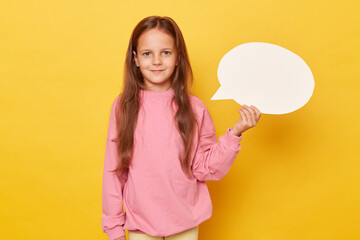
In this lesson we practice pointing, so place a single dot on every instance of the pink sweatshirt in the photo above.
(158, 198)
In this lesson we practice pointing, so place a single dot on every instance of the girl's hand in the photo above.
(249, 118)
(121, 238)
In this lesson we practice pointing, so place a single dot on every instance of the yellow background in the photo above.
(61, 65)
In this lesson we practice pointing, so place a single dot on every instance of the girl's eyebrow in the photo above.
(142, 50)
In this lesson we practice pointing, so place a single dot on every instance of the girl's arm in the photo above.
(113, 216)
(213, 159)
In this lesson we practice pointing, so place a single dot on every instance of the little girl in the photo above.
(161, 144)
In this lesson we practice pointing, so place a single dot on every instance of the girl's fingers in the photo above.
(257, 112)
(243, 115)
(248, 114)
(251, 115)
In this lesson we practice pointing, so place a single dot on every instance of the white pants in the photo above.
(191, 234)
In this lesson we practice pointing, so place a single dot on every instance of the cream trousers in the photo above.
(191, 234)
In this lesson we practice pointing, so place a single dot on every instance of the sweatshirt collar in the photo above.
(157, 94)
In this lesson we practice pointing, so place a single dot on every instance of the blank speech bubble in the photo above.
(270, 77)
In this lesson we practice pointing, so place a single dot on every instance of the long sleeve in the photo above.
(213, 159)
(113, 216)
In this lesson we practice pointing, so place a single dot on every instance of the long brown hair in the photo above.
(129, 103)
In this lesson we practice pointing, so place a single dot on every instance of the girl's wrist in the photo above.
(235, 132)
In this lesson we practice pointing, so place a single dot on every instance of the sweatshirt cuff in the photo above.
(231, 140)
(115, 232)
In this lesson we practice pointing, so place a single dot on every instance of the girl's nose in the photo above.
(157, 59)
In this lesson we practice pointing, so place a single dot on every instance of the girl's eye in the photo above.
(148, 53)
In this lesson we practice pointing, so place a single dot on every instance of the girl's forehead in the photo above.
(155, 39)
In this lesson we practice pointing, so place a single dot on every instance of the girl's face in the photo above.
(156, 57)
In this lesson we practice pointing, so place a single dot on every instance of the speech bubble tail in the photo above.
(220, 94)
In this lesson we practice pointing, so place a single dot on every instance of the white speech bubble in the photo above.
(270, 77)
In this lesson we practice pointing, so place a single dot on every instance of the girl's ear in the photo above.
(136, 59)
